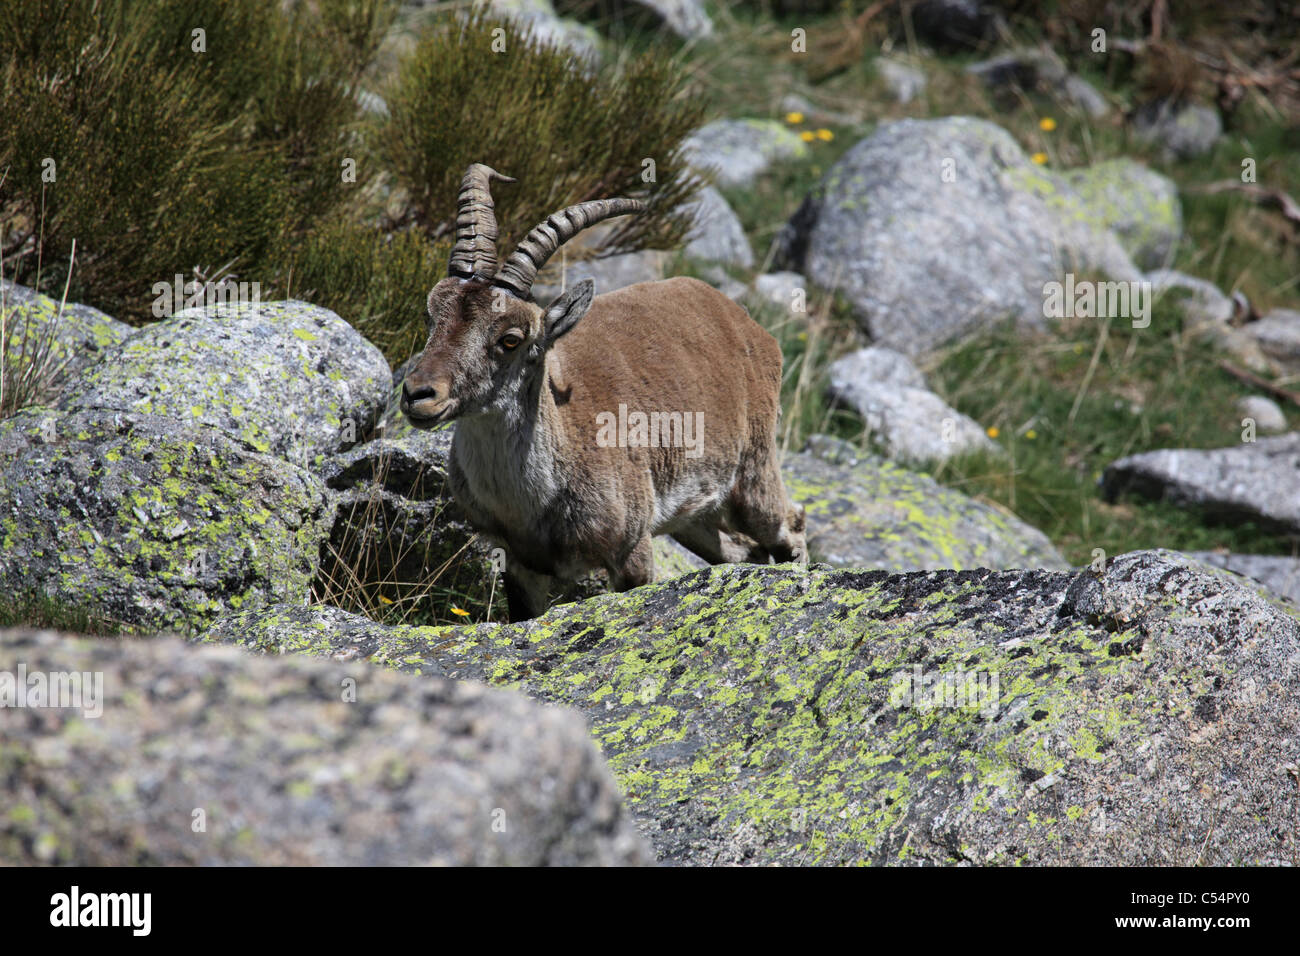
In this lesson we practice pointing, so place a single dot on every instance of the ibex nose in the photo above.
(426, 402)
(419, 393)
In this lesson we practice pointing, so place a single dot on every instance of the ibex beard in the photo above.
(526, 386)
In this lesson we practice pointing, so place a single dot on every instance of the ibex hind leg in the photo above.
(762, 510)
(527, 592)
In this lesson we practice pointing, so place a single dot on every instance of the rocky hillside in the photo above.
(1038, 402)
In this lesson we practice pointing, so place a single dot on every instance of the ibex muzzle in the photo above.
(537, 462)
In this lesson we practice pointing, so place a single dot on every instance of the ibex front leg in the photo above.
(527, 592)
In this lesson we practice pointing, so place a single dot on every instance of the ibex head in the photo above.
(487, 338)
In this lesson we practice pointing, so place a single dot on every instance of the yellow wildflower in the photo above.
(1047, 124)
(794, 118)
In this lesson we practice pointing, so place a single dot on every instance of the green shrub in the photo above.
(529, 113)
(165, 156)
(377, 282)
(168, 160)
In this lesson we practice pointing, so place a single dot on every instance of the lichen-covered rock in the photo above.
(151, 522)
(1144, 715)
(935, 228)
(717, 235)
(899, 413)
(1136, 203)
(1279, 574)
(736, 152)
(864, 512)
(205, 756)
(67, 339)
(289, 378)
(1257, 480)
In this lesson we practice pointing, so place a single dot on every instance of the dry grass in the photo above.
(30, 363)
(377, 568)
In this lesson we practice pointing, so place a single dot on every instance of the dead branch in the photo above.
(1250, 378)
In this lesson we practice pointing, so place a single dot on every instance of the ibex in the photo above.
(530, 387)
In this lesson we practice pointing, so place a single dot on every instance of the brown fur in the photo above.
(527, 468)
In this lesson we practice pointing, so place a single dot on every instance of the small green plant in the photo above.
(40, 610)
(31, 358)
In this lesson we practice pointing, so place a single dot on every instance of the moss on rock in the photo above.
(289, 378)
(768, 715)
(869, 513)
(151, 522)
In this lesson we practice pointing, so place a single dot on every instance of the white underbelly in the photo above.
(690, 495)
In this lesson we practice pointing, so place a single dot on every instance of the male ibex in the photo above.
(531, 463)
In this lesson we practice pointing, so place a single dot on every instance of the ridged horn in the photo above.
(475, 252)
(520, 271)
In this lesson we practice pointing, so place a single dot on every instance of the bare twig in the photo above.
(1250, 378)
(1274, 198)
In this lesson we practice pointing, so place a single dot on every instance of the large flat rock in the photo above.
(1257, 480)
(1144, 715)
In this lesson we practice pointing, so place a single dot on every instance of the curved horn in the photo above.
(475, 252)
(520, 271)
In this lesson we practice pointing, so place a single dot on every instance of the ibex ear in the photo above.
(563, 314)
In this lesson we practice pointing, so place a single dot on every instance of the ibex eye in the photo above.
(510, 341)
